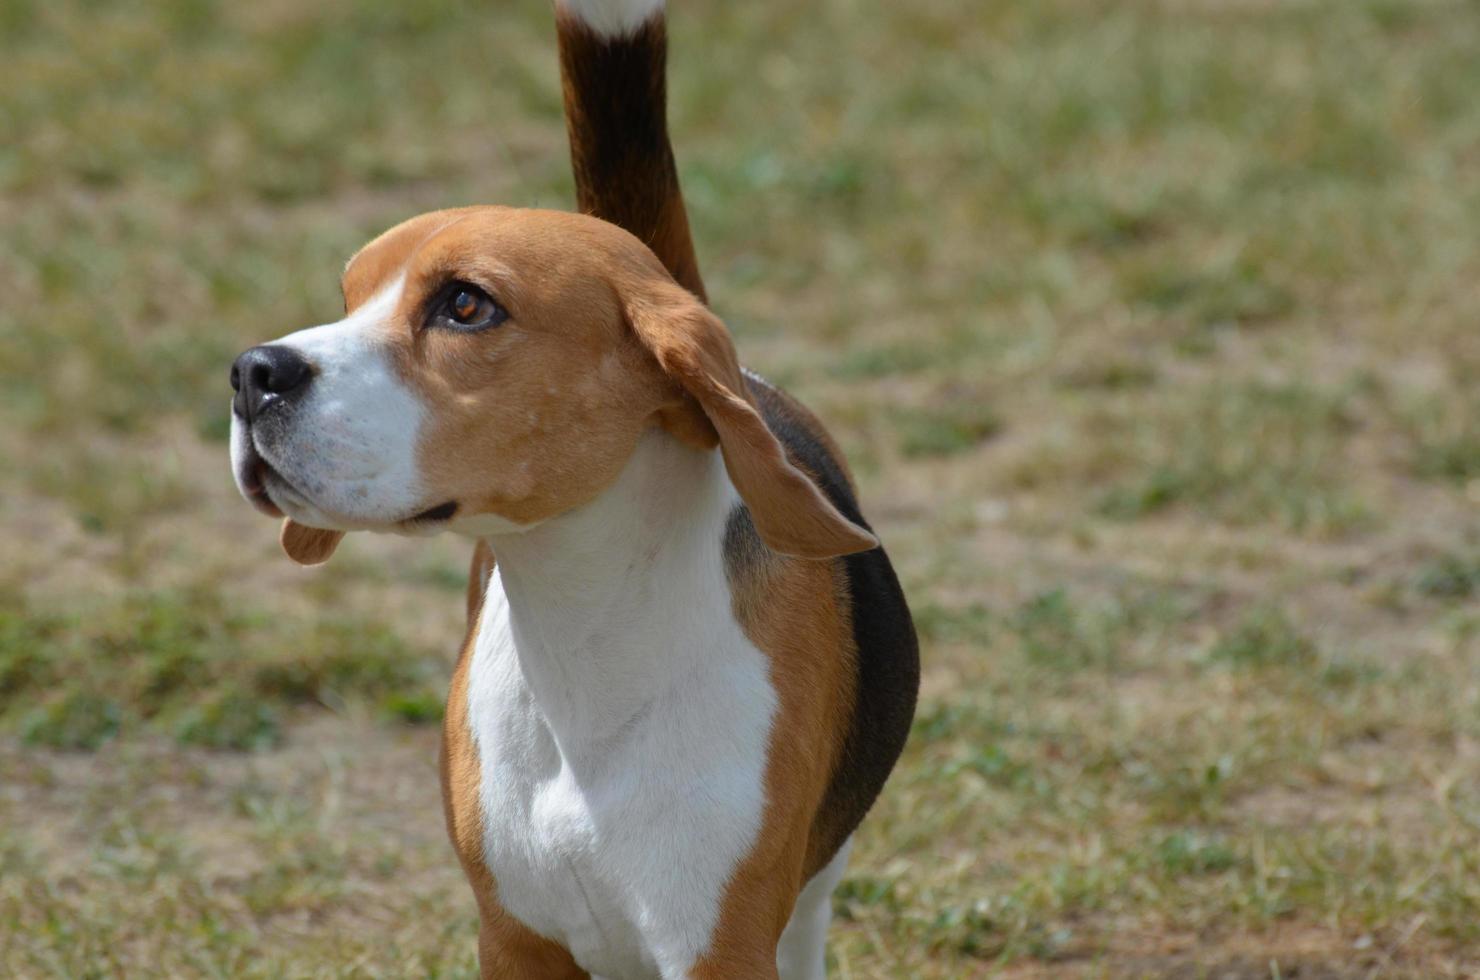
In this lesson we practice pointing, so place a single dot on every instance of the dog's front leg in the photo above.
(756, 965)
(507, 950)
(745, 939)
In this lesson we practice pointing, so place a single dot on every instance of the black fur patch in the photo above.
(746, 555)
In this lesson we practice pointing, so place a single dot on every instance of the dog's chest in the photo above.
(617, 805)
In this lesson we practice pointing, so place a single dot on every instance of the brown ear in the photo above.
(694, 349)
(308, 545)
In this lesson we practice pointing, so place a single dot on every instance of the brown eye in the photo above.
(466, 307)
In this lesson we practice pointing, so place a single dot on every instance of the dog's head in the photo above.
(495, 367)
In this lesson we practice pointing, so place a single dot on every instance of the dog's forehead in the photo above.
(553, 244)
(384, 258)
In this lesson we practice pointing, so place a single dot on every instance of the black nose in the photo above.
(264, 375)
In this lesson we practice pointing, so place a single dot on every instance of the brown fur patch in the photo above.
(796, 611)
(616, 116)
(380, 260)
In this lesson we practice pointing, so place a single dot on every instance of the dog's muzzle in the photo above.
(266, 380)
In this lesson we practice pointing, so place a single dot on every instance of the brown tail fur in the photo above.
(617, 118)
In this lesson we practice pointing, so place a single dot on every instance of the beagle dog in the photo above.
(689, 667)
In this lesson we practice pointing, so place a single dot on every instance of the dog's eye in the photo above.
(466, 306)
(469, 308)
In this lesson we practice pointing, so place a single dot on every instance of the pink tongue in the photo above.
(308, 545)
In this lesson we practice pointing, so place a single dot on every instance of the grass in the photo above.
(196, 666)
(1148, 326)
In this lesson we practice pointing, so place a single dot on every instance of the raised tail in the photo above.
(613, 58)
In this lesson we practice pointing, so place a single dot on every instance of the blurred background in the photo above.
(1151, 331)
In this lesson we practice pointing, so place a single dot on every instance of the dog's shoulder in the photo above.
(880, 634)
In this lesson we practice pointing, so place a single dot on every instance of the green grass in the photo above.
(196, 666)
(957, 427)
(1451, 577)
(1149, 328)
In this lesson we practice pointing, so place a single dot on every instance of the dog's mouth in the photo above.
(264, 485)
(434, 515)
(267, 489)
(259, 481)
(253, 473)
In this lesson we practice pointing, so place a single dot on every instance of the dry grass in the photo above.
(1150, 326)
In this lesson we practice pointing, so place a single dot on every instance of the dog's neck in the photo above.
(613, 604)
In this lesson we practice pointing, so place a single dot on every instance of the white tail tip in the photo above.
(612, 18)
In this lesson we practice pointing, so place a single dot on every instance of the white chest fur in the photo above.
(621, 718)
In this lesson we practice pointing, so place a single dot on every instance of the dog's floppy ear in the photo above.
(308, 545)
(693, 348)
